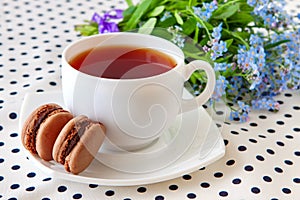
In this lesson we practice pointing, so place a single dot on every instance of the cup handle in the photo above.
(191, 104)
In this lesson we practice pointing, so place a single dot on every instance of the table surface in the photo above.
(262, 159)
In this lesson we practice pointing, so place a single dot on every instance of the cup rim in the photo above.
(178, 58)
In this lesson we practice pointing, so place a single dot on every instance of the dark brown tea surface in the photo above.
(122, 62)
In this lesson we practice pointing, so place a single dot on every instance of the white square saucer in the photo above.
(192, 142)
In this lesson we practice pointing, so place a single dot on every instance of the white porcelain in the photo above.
(134, 111)
(180, 150)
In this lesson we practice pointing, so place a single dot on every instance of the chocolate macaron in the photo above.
(78, 143)
(42, 127)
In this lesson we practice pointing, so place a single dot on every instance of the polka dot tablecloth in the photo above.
(262, 159)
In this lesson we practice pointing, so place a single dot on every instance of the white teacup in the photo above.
(134, 111)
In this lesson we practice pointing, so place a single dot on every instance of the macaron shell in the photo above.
(61, 141)
(28, 135)
(48, 132)
(83, 153)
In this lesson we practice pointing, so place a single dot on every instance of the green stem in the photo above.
(129, 3)
(201, 22)
(226, 24)
(237, 37)
(196, 36)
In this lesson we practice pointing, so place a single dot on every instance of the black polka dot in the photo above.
(77, 196)
(262, 117)
(93, 185)
(14, 186)
(279, 143)
(30, 189)
(230, 162)
(236, 181)
(226, 142)
(296, 129)
(260, 158)
(288, 95)
(159, 197)
(297, 153)
(223, 194)
(187, 177)
(255, 190)
(262, 136)
(219, 112)
(280, 122)
(286, 190)
(296, 180)
(47, 179)
(191, 195)
(271, 130)
(267, 178)
(173, 187)
(205, 185)
(289, 136)
(142, 189)
(242, 148)
(278, 169)
(31, 175)
(13, 115)
(252, 140)
(248, 168)
(288, 162)
(13, 135)
(52, 83)
(296, 107)
(253, 124)
(270, 151)
(16, 150)
(288, 115)
(234, 132)
(218, 174)
(15, 167)
(109, 193)
(62, 188)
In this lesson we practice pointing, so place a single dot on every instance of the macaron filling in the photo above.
(74, 137)
(43, 114)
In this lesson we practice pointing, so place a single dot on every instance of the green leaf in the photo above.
(224, 59)
(271, 45)
(192, 3)
(129, 2)
(225, 11)
(156, 11)
(128, 12)
(240, 18)
(163, 33)
(178, 18)
(188, 27)
(136, 16)
(148, 27)
(228, 42)
(87, 29)
(167, 22)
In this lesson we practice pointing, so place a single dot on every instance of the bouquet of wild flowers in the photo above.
(254, 45)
